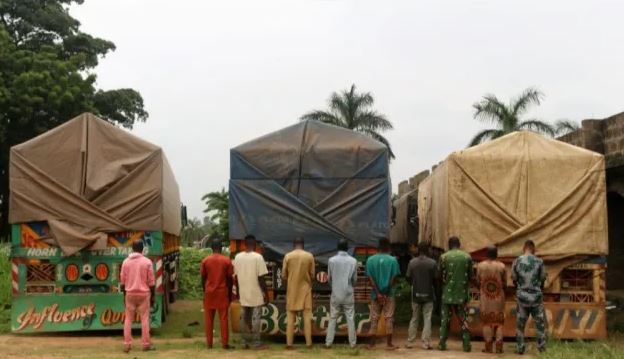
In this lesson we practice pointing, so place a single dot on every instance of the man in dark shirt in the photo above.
(422, 272)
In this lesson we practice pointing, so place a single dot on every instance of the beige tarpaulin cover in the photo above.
(87, 177)
(521, 186)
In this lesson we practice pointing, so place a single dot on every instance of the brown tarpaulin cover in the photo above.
(87, 177)
(521, 186)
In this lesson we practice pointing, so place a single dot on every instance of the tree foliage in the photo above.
(217, 204)
(353, 110)
(563, 127)
(507, 117)
(46, 76)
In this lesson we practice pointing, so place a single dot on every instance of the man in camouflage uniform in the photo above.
(455, 269)
(529, 275)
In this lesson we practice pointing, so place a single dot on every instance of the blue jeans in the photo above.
(334, 312)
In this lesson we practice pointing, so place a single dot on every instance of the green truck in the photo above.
(80, 195)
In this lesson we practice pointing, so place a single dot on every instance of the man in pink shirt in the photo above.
(137, 284)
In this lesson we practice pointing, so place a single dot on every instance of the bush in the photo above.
(5, 288)
(190, 280)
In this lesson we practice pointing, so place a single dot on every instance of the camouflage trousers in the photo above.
(459, 310)
(539, 317)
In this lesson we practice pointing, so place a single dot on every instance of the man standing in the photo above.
(382, 270)
(455, 269)
(298, 271)
(137, 285)
(216, 275)
(342, 275)
(250, 271)
(528, 274)
(491, 278)
(422, 272)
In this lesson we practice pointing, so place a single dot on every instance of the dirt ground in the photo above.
(178, 339)
(90, 346)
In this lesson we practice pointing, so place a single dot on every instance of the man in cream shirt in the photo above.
(250, 271)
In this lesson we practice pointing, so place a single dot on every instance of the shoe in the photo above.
(246, 346)
(309, 347)
(126, 349)
(327, 346)
(499, 346)
(488, 347)
(467, 349)
(442, 347)
(149, 348)
(228, 347)
(289, 347)
(408, 346)
(427, 346)
(391, 347)
(541, 350)
(520, 352)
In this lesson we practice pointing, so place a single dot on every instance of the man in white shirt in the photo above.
(250, 271)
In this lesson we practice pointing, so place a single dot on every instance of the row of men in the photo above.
(454, 271)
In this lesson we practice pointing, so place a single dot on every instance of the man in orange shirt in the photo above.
(216, 273)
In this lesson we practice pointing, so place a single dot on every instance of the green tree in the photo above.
(507, 117)
(46, 77)
(563, 127)
(217, 204)
(192, 232)
(353, 110)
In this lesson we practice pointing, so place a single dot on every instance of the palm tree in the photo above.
(506, 117)
(352, 110)
(217, 204)
(563, 127)
(192, 232)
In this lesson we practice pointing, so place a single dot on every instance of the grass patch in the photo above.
(613, 348)
(5, 288)
(185, 320)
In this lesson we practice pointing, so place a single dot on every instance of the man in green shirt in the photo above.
(455, 268)
(382, 270)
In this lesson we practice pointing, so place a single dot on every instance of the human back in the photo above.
(342, 269)
(217, 270)
(248, 267)
(137, 273)
(529, 274)
(455, 269)
(421, 270)
(383, 268)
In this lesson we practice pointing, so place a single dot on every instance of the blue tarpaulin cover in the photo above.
(314, 180)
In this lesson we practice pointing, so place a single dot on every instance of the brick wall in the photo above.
(603, 136)
(607, 137)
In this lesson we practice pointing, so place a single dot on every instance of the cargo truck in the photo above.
(524, 186)
(320, 182)
(80, 194)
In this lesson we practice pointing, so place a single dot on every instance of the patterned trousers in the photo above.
(250, 325)
(539, 317)
(387, 309)
(459, 310)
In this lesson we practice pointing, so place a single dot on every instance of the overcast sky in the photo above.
(216, 74)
